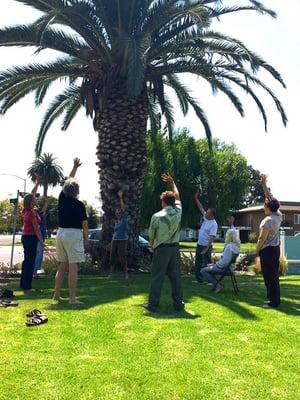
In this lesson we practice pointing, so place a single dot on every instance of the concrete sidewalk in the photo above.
(5, 253)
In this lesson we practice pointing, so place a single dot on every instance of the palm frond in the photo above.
(56, 108)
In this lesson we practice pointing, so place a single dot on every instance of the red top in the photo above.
(27, 216)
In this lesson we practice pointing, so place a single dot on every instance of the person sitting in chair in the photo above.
(231, 249)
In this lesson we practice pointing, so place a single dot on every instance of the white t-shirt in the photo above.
(208, 228)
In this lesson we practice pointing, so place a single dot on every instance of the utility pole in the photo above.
(16, 203)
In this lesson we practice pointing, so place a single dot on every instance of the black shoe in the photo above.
(179, 307)
(149, 308)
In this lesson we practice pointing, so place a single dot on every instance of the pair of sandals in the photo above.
(36, 317)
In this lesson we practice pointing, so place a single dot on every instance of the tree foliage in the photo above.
(142, 46)
(256, 193)
(221, 175)
(7, 216)
(93, 216)
(46, 166)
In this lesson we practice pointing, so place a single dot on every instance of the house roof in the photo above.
(284, 206)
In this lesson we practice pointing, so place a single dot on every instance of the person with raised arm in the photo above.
(31, 235)
(164, 240)
(118, 246)
(72, 235)
(206, 236)
(40, 248)
(268, 246)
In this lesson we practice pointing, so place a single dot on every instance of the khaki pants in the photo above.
(118, 254)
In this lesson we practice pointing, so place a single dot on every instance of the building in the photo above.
(248, 219)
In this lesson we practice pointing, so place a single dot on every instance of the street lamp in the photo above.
(17, 176)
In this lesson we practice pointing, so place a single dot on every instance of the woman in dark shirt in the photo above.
(72, 235)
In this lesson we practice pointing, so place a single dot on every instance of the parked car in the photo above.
(95, 235)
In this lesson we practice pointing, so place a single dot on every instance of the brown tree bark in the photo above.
(122, 155)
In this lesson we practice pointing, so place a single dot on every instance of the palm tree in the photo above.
(47, 167)
(117, 59)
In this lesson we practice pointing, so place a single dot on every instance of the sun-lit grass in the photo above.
(218, 247)
(224, 347)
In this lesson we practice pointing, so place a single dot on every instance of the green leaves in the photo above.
(46, 165)
(137, 46)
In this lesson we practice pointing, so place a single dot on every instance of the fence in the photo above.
(290, 247)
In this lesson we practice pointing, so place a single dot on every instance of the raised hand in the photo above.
(196, 196)
(38, 179)
(77, 162)
(166, 177)
(263, 179)
(120, 193)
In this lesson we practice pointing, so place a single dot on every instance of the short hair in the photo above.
(27, 201)
(232, 236)
(168, 197)
(213, 211)
(272, 203)
(71, 188)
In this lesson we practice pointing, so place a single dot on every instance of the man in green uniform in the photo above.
(164, 239)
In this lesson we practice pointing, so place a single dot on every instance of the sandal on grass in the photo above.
(8, 303)
(37, 320)
(34, 313)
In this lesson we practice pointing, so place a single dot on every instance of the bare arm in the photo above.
(263, 182)
(85, 232)
(37, 231)
(263, 235)
(38, 182)
(210, 242)
(168, 179)
(199, 204)
(45, 206)
(76, 165)
(122, 204)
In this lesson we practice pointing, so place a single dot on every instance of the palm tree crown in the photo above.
(143, 46)
(47, 167)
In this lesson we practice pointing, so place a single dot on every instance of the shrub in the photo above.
(50, 266)
(9, 272)
(252, 237)
(188, 262)
(283, 266)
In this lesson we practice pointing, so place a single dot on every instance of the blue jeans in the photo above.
(39, 257)
(207, 273)
(29, 244)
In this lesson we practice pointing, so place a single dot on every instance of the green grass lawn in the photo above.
(225, 347)
(218, 247)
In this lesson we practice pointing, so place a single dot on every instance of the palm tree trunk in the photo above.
(122, 155)
(45, 193)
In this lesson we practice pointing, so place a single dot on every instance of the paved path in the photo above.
(7, 239)
(5, 252)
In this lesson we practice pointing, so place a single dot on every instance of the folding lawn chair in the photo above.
(229, 271)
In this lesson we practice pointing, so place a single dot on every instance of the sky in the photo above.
(275, 153)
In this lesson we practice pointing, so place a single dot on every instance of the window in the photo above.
(297, 219)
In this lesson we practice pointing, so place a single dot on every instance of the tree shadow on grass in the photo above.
(174, 315)
(252, 292)
(98, 290)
